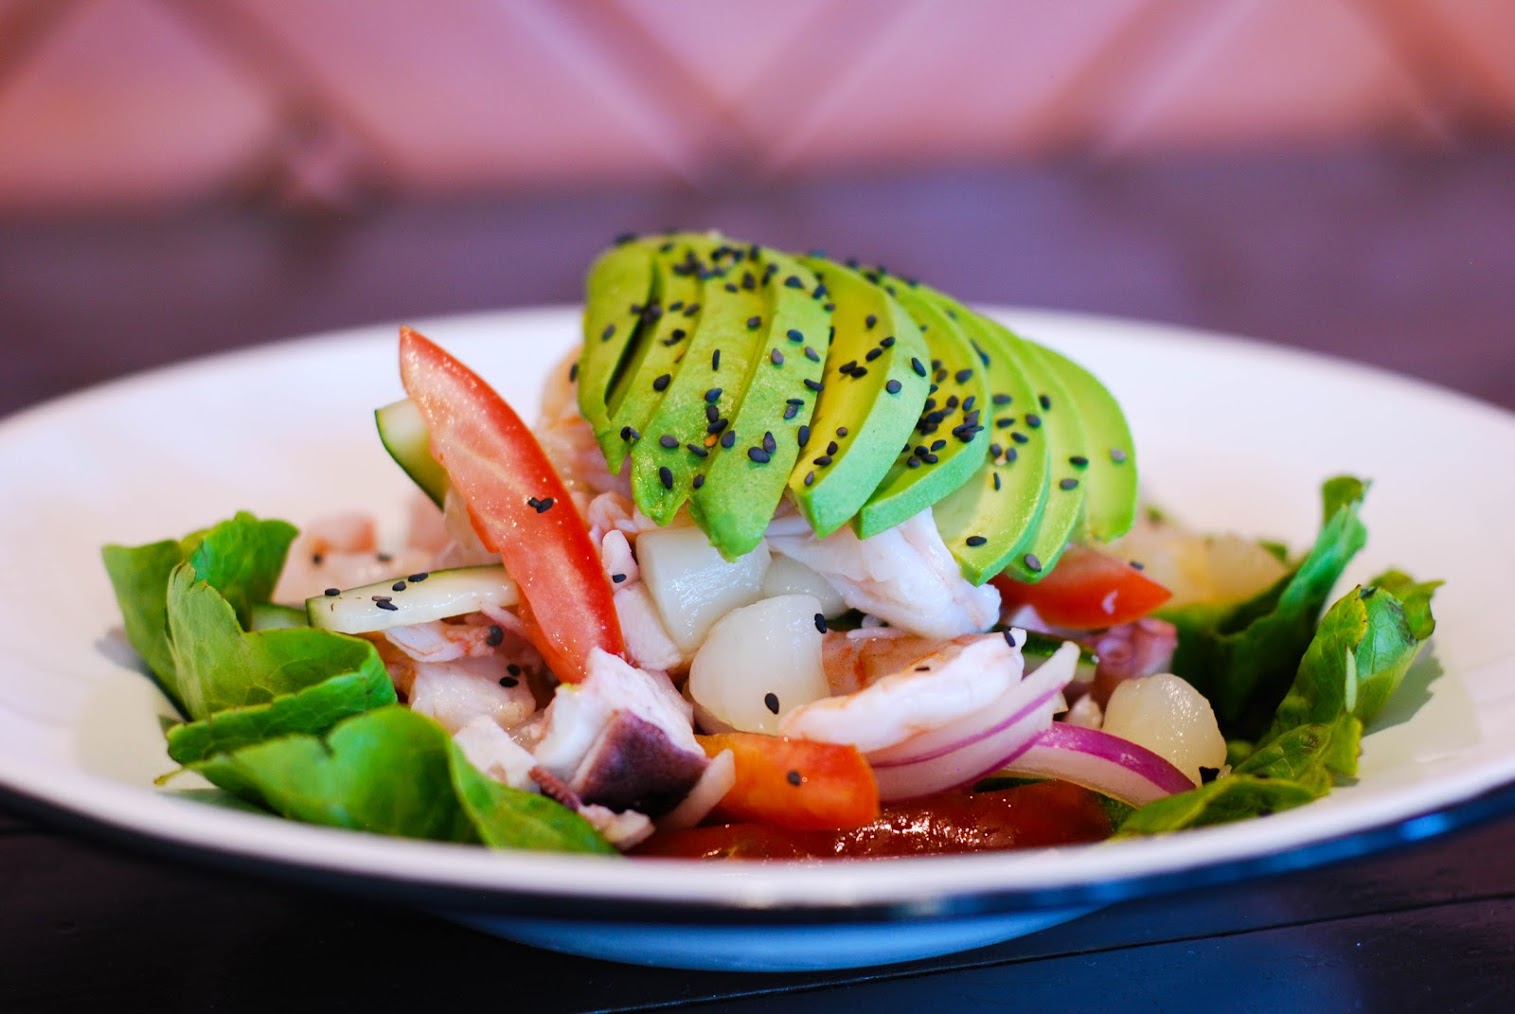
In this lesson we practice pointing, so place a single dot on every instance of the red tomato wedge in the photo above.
(518, 505)
(795, 783)
(1087, 590)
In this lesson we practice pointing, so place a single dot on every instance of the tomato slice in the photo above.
(795, 783)
(518, 504)
(1037, 815)
(1087, 590)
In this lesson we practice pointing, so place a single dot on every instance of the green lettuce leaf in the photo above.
(1243, 659)
(392, 771)
(1357, 658)
(241, 558)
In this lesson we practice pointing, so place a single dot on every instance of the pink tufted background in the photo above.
(111, 103)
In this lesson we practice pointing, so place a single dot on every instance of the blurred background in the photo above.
(184, 176)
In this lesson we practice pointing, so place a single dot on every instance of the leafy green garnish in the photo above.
(392, 771)
(1358, 656)
(1243, 659)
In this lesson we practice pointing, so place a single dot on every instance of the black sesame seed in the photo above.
(975, 540)
(870, 320)
(661, 383)
(717, 426)
(776, 357)
(918, 366)
(793, 282)
(728, 438)
(841, 431)
(820, 623)
(628, 434)
(771, 702)
(1001, 399)
(668, 440)
(712, 412)
(697, 450)
(802, 435)
(823, 460)
(795, 778)
(1067, 484)
(573, 371)
(699, 480)
(769, 444)
(893, 386)
(790, 411)
(1033, 563)
(316, 558)
(715, 359)
(1020, 437)
(887, 342)
(859, 372)
(753, 323)
(713, 395)
(608, 333)
(1117, 455)
(995, 477)
(812, 355)
(388, 605)
(873, 354)
(912, 462)
(397, 586)
(758, 455)
(617, 578)
(814, 385)
(1078, 461)
(831, 448)
(509, 681)
(332, 592)
(545, 504)
(963, 376)
(1045, 402)
(1009, 636)
(795, 335)
(810, 478)
(495, 637)
(665, 476)
(1033, 420)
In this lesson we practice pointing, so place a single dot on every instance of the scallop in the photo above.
(1169, 717)
(760, 662)
(692, 584)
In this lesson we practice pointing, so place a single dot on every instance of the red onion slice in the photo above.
(979, 744)
(1108, 764)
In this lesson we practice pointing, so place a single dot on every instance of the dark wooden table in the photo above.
(1402, 259)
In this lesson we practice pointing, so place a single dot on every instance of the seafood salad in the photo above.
(802, 559)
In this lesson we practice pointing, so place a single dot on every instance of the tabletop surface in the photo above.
(1398, 259)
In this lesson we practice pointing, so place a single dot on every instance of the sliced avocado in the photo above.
(1054, 413)
(1110, 472)
(404, 435)
(649, 365)
(618, 292)
(988, 520)
(867, 408)
(695, 411)
(949, 443)
(772, 410)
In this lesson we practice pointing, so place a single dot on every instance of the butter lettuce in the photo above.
(299, 721)
(1359, 654)
(391, 771)
(1243, 658)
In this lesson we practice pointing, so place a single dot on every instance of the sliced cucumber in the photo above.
(419, 598)
(404, 434)
(1040, 647)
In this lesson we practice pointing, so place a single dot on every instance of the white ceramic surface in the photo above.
(1231, 435)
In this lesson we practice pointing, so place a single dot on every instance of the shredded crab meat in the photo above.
(905, 576)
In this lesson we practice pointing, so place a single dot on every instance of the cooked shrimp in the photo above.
(928, 692)
(340, 551)
(457, 692)
(905, 575)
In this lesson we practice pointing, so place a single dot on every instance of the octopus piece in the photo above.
(1143, 647)
(622, 737)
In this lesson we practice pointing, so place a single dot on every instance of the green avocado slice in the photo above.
(950, 442)
(638, 388)
(1110, 475)
(619, 288)
(695, 411)
(1055, 413)
(867, 408)
(987, 523)
(743, 484)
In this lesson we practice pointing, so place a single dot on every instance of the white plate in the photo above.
(1232, 435)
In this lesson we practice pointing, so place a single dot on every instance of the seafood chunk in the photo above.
(904, 575)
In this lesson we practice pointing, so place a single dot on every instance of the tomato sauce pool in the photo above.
(1035, 815)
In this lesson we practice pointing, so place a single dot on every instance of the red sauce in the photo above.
(1036, 815)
